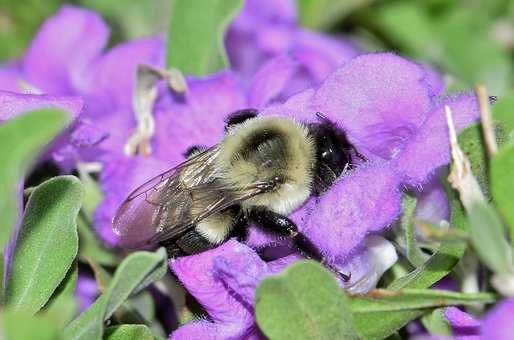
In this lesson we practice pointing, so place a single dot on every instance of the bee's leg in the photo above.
(240, 225)
(172, 249)
(193, 150)
(189, 244)
(283, 226)
(193, 243)
(240, 116)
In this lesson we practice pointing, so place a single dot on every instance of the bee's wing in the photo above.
(168, 205)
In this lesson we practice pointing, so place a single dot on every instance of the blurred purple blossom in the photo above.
(267, 29)
(73, 65)
(86, 291)
(495, 325)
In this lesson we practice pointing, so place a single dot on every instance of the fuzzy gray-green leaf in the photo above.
(47, 244)
(303, 302)
(22, 138)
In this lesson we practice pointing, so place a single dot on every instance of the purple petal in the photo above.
(261, 32)
(498, 324)
(379, 99)
(433, 205)
(55, 64)
(201, 330)
(197, 119)
(298, 107)
(280, 264)
(256, 12)
(203, 281)
(86, 291)
(10, 77)
(241, 272)
(430, 147)
(258, 238)
(119, 125)
(112, 76)
(270, 81)
(464, 326)
(12, 104)
(223, 280)
(320, 54)
(363, 202)
(119, 178)
(206, 330)
(434, 80)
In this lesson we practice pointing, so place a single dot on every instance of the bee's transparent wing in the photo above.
(141, 215)
(168, 205)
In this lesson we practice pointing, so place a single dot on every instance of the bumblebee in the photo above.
(263, 169)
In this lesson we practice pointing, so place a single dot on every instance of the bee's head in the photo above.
(333, 154)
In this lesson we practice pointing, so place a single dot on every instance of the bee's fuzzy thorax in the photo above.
(265, 147)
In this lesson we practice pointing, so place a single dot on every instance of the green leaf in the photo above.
(416, 35)
(488, 238)
(385, 301)
(47, 244)
(436, 323)
(136, 270)
(502, 184)
(195, 37)
(62, 305)
(414, 254)
(503, 115)
(128, 332)
(470, 52)
(140, 308)
(472, 143)
(127, 21)
(19, 21)
(444, 260)
(303, 302)
(325, 13)
(23, 325)
(93, 194)
(377, 318)
(90, 245)
(22, 139)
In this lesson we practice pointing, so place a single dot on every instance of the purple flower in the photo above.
(86, 291)
(267, 29)
(65, 58)
(224, 282)
(495, 325)
(388, 108)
